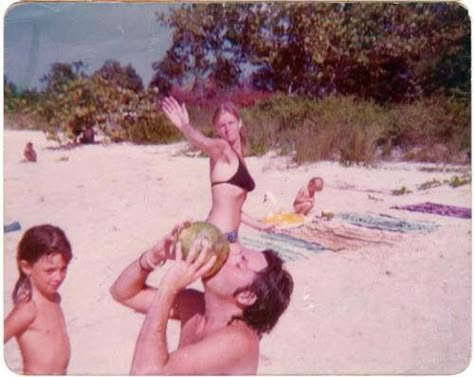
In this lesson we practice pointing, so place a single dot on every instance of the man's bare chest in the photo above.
(192, 331)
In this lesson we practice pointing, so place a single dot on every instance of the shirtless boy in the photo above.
(220, 327)
(304, 201)
(29, 152)
(37, 320)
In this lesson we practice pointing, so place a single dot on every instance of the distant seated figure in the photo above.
(304, 200)
(87, 136)
(29, 153)
(76, 130)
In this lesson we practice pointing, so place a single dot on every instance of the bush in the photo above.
(341, 128)
(421, 127)
(359, 132)
(21, 121)
(332, 128)
(153, 130)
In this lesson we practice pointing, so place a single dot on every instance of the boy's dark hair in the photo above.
(38, 241)
(316, 179)
(273, 287)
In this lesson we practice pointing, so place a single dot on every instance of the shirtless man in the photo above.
(304, 201)
(220, 327)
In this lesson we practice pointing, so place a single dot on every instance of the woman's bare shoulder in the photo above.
(219, 149)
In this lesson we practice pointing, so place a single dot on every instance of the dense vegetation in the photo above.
(353, 82)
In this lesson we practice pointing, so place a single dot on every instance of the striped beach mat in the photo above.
(438, 209)
(289, 247)
(386, 222)
(345, 231)
(338, 235)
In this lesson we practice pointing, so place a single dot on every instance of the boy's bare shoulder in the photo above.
(303, 190)
(20, 318)
(24, 312)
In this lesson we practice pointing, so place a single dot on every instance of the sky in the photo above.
(39, 34)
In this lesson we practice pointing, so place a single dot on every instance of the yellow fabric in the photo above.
(289, 218)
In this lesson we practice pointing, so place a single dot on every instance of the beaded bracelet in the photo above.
(149, 269)
(149, 262)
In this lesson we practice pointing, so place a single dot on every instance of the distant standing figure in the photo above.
(87, 136)
(304, 201)
(37, 320)
(29, 153)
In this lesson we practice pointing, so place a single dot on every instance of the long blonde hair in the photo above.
(229, 107)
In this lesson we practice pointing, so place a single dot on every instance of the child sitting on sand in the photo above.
(37, 320)
(304, 200)
(29, 153)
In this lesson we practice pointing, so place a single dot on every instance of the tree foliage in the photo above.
(112, 100)
(124, 77)
(205, 46)
(60, 74)
(387, 52)
(385, 75)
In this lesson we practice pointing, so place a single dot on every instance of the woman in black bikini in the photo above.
(230, 179)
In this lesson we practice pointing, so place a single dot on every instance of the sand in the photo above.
(403, 308)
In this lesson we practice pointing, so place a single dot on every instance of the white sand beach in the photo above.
(402, 308)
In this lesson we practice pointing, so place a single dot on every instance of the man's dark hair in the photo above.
(273, 287)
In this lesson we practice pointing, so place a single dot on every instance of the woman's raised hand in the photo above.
(176, 113)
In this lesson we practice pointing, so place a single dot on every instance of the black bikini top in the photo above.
(241, 179)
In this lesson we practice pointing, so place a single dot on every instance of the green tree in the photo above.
(205, 46)
(9, 95)
(125, 77)
(60, 74)
(449, 70)
(383, 51)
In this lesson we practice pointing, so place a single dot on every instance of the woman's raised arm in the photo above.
(178, 116)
